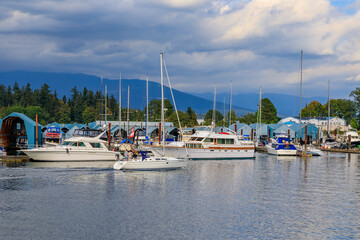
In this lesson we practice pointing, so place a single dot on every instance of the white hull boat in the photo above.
(73, 150)
(210, 145)
(151, 163)
(281, 147)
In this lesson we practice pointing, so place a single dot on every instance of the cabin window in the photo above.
(229, 141)
(220, 141)
(192, 139)
(199, 139)
(96, 145)
(81, 144)
(209, 140)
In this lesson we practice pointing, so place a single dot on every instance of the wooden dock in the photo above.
(14, 161)
(356, 151)
(261, 149)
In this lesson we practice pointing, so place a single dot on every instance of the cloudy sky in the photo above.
(251, 43)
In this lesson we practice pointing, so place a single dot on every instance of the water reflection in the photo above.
(265, 198)
(91, 164)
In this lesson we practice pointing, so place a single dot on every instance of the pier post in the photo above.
(36, 132)
(109, 134)
(159, 133)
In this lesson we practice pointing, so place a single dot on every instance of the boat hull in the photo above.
(150, 165)
(281, 152)
(209, 153)
(69, 156)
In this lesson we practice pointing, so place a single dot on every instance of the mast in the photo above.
(328, 120)
(128, 108)
(224, 114)
(301, 60)
(260, 114)
(105, 104)
(120, 107)
(101, 85)
(147, 104)
(230, 104)
(213, 117)
(162, 103)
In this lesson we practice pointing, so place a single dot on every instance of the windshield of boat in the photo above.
(67, 143)
(96, 145)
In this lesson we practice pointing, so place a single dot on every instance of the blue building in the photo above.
(18, 131)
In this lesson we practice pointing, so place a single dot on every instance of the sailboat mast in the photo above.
(224, 114)
(147, 104)
(230, 104)
(213, 117)
(301, 60)
(162, 103)
(101, 86)
(105, 104)
(328, 120)
(260, 108)
(128, 109)
(120, 107)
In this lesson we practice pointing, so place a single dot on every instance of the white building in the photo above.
(334, 122)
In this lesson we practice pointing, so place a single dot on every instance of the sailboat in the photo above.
(146, 162)
(305, 150)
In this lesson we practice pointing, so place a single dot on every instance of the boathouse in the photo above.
(18, 131)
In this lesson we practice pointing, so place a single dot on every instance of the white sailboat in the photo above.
(146, 162)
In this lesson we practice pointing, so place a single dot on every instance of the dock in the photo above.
(355, 151)
(261, 149)
(14, 161)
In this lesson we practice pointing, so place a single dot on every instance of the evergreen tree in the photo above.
(268, 112)
(208, 118)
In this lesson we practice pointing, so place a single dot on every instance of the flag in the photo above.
(132, 134)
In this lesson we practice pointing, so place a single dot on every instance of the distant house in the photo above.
(321, 122)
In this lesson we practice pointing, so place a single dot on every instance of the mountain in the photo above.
(64, 82)
(286, 105)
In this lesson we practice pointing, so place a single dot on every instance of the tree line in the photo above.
(87, 106)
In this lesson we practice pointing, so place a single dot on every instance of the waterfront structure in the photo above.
(320, 122)
(18, 131)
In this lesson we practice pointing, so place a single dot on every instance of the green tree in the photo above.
(248, 118)
(12, 109)
(208, 118)
(88, 114)
(63, 115)
(268, 112)
(354, 124)
(314, 109)
(31, 112)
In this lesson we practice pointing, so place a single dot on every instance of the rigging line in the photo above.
(177, 115)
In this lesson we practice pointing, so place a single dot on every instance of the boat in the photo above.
(52, 136)
(158, 161)
(354, 138)
(209, 145)
(148, 162)
(73, 149)
(281, 146)
(310, 149)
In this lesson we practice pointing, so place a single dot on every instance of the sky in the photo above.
(252, 44)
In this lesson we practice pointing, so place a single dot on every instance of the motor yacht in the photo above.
(73, 149)
(281, 146)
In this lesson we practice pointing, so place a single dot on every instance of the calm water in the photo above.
(267, 198)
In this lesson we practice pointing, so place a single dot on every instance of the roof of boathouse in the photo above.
(30, 126)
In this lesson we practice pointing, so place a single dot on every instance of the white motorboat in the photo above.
(281, 147)
(210, 145)
(73, 149)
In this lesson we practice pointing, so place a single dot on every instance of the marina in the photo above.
(270, 197)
